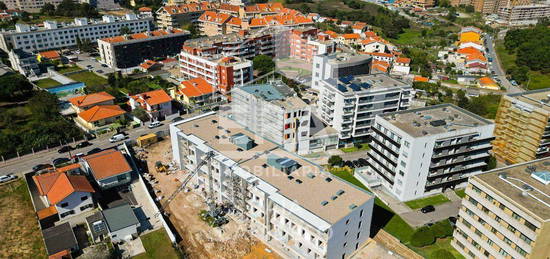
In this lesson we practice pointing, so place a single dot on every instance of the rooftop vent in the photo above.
(437, 123)
(328, 179)
(340, 192)
(352, 206)
(242, 141)
(219, 127)
(214, 121)
(547, 163)
(503, 175)
(264, 165)
(542, 176)
(324, 203)
(284, 164)
(311, 175)
(298, 181)
(196, 125)
(530, 169)
(334, 197)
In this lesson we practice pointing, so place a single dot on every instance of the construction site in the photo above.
(205, 232)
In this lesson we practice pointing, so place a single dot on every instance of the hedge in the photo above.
(423, 236)
(442, 229)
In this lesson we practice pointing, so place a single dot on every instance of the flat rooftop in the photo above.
(361, 83)
(346, 57)
(277, 93)
(512, 181)
(538, 98)
(313, 189)
(434, 119)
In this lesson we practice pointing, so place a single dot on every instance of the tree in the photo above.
(141, 114)
(43, 106)
(469, 9)
(335, 160)
(125, 30)
(25, 16)
(264, 64)
(442, 229)
(442, 254)
(48, 9)
(14, 87)
(423, 236)
(3, 6)
(491, 163)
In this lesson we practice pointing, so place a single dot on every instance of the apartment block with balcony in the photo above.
(326, 66)
(424, 151)
(522, 131)
(506, 213)
(349, 104)
(174, 16)
(290, 204)
(523, 14)
(305, 43)
(56, 35)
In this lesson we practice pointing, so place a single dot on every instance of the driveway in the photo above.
(85, 60)
(131, 248)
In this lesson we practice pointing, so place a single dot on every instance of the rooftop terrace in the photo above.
(537, 98)
(434, 119)
(277, 93)
(350, 84)
(313, 189)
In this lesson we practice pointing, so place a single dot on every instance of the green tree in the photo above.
(125, 30)
(25, 16)
(140, 113)
(264, 64)
(43, 106)
(14, 87)
(423, 236)
(491, 163)
(442, 254)
(335, 160)
(3, 6)
(442, 229)
(48, 9)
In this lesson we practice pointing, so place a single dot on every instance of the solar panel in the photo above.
(366, 85)
(342, 88)
(346, 79)
(98, 226)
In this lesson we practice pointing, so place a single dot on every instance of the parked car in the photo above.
(104, 65)
(177, 119)
(78, 155)
(99, 71)
(93, 151)
(83, 144)
(64, 149)
(428, 209)
(59, 161)
(41, 167)
(117, 137)
(154, 124)
(356, 163)
(452, 220)
(348, 164)
(7, 178)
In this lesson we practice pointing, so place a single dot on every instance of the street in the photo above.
(496, 67)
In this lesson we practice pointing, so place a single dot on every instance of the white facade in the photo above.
(295, 222)
(338, 65)
(74, 204)
(24, 63)
(351, 111)
(374, 46)
(56, 36)
(423, 151)
(524, 14)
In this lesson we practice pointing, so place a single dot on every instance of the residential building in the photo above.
(488, 83)
(149, 66)
(174, 16)
(56, 35)
(424, 151)
(196, 93)
(522, 131)
(157, 103)
(109, 168)
(261, 10)
(336, 65)
(401, 66)
(129, 51)
(379, 67)
(221, 71)
(290, 204)
(63, 194)
(24, 62)
(121, 222)
(350, 103)
(305, 43)
(493, 6)
(523, 14)
(506, 213)
(85, 102)
(280, 20)
(33, 6)
(48, 55)
(60, 241)
(99, 118)
(145, 11)
(213, 23)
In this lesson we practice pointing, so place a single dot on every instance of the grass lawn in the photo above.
(409, 37)
(63, 70)
(89, 78)
(506, 59)
(537, 80)
(47, 83)
(20, 236)
(460, 193)
(432, 200)
(354, 149)
(347, 174)
(442, 243)
(157, 245)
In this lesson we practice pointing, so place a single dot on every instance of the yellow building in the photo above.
(470, 36)
(522, 130)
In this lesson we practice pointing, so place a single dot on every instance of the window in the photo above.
(83, 198)
(525, 238)
(530, 226)
(64, 204)
(502, 252)
(516, 216)
(512, 229)
(521, 251)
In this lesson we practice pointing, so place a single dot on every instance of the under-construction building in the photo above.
(291, 204)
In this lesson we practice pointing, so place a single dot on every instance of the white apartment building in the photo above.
(24, 62)
(506, 213)
(290, 204)
(274, 111)
(424, 151)
(222, 72)
(336, 65)
(350, 103)
(30, 5)
(60, 35)
(523, 14)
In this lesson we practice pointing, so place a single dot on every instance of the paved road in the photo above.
(497, 68)
(25, 163)
(85, 60)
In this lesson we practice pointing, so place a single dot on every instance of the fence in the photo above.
(4, 158)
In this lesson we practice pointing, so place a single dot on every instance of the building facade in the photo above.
(349, 104)
(523, 14)
(174, 16)
(157, 103)
(24, 62)
(327, 218)
(129, 51)
(58, 35)
(522, 131)
(506, 213)
(327, 66)
(424, 151)
(305, 43)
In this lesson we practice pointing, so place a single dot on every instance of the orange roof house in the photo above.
(109, 168)
(86, 101)
(149, 65)
(421, 79)
(58, 186)
(379, 66)
(488, 83)
(145, 9)
(50, 55)
(402, 60)
(101, 112)
(152, 98)
(196, 87)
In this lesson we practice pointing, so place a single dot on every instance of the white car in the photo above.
(117, 137)
(154, 124)
(7, 178)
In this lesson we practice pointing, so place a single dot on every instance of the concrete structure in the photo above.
(338, 65)
(522, 131)
(350, 103)
(523, 14)
(121, 222)
(506, 213)
(109, 168)
(196, 93)
(174, 16)
(60, 35)
(157, 103)
(24, 62)
(305, 43)
(129, 51)
(424, 151)
(33, 6)
(493, 6)
(288, 203)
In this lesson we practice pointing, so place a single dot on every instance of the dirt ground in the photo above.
(20, 236)
(199, 239)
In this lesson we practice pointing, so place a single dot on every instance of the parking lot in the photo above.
(86, 61)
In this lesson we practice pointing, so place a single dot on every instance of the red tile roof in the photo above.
(107, 163)
(46, 212)
(148, 64)
(152, 97)
(187, 8)
(52, 54)
(403, 60)
(58, 186)
(145, 9)
(196, 87)
(421, 79)
(91, 99)
(213, 17)
(100, 112)
(229, 8)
